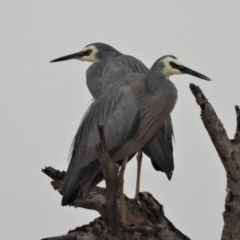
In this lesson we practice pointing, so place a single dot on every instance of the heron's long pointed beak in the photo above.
(68, 57)
(193, 73)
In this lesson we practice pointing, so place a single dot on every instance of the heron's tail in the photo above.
(87, 178)
(160, 149)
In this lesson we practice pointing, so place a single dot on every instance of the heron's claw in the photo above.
(135, 199)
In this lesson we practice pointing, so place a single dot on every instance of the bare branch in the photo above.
(229, 153)
(110, 170)
(213, 125)
(96, 196)
(147, 218)
(237, 134)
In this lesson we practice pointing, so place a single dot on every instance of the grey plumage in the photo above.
(104, 73)
(109, 66)
(160, 149)
(131, 110)
(129, 99)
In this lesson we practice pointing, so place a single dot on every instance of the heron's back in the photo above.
(102, 74)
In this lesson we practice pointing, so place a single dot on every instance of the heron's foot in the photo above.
(136, 200)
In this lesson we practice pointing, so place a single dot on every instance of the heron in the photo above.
(132, 110)
(110, 65)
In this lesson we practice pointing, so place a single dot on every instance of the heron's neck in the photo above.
(155, 80)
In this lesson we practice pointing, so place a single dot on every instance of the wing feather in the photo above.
(116, 109)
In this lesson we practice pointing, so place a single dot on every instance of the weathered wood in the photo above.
(229, 153)
(237, 134)
(110, 171)
(146, 218)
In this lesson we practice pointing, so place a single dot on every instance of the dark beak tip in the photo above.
(55, 60)
(194, 73)
(58, 60)
(207, 79)
(69, 57)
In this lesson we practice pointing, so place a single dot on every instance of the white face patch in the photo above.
(168, 69)
(92, 56)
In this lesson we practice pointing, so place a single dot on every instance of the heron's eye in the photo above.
(173, 64)
(88, 52)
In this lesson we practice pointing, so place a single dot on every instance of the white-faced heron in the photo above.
(110, 65)
(131, 110)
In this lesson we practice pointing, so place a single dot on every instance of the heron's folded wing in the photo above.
(160, 149)
(116, 109)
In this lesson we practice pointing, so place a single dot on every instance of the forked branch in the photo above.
(229, 153)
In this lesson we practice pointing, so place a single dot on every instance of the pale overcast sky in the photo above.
(42, 104)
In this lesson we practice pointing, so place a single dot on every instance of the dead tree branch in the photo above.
(110, 171)
(146, 220)
(237, 134)
(229, 153)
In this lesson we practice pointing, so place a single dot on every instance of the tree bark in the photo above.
(229, 153)
(146, 218)
(110, 171)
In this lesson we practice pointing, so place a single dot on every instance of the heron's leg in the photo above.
(139, 164)
(121, 192)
